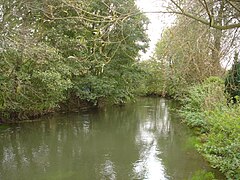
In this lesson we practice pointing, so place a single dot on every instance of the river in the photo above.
(142, 140)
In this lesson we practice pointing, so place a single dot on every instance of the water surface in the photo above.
(144, 140)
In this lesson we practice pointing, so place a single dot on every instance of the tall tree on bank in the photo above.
(223, 17)
(192, 49)
(53, 50)
(185, 53)
(110, 40)
(220, 16)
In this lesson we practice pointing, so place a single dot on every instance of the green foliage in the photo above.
(155, 79)
(102, 54)
(222, 148)
(202, 97)
(117, 84)
(57, 50)
(195, 120)
(92, 88)
(206, 109)
(232, 81)
(33, 80)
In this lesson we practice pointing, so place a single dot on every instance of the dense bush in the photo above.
(155, 78)
(200, 98)
(117, 85)
(232, 81)
(33, 81)
(222, 147)
(206, 109)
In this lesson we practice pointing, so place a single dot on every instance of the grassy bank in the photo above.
(217, 125)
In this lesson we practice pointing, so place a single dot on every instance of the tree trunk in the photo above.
(216, 51)
(217, 35)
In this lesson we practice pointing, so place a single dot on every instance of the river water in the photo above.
(144, 140)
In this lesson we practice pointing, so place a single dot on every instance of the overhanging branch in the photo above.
(199, 19)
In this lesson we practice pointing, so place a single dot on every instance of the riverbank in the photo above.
(217, 125)
(70, 105)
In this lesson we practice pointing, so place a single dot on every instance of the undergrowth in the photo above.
(206, 110)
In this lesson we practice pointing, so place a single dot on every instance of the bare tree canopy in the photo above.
(219, 14)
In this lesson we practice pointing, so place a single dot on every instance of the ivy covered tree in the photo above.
(232, 82)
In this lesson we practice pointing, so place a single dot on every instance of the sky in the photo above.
(157, 23)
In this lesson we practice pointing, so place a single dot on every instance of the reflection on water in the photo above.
(107, 170)
(151, 128)
(139, 141)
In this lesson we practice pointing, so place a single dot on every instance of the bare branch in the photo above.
(234, 5)
(209, 22)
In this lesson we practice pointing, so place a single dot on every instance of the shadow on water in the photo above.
(143, 140)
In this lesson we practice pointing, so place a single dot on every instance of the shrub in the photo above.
(222, 147)
(206, 108)
(201, 98)
(33, 81)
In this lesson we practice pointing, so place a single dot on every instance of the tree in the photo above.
(66, 50)
(155, 78)
(33, 75)
(221, 15)
(186, 54)
(232, 82)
